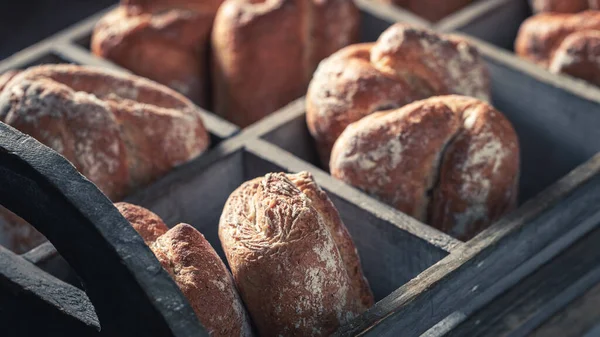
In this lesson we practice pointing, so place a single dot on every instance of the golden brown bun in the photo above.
(196, 268)
(564, 6)
(166, 41)
(563, 43)
(404, 65)
(120, 131)
(291, 256)
(449, 161)
(432, 10)
(264, 52)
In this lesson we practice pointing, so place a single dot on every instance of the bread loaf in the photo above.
(563, 43)
(291, 256)
(166, 41)
(405, 64)
(265, 52)
(564, 6)
(120, 131)
(196, 268)
(432, 10)
(449, 161)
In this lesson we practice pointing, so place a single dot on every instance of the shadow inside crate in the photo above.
(557, 129)
(390, 256)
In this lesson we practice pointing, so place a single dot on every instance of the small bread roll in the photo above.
(196, 268)
(563, 43)
(291, 256)
(449, 161)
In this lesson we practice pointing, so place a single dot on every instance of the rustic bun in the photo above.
(432, 10)
(265, 52)
(449, 161)
(291, 256)
(196, 268)
(564, 6)
(166, 41)
(120, 131)
(404, 65)
(563, 43)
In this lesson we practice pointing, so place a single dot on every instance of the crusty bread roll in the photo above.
(196, 268)
(163, 40)
(563, 6)
(432, 10)
(405, 64)
(265, 52)
(563, 43)
(449, 161)
(291, 256)
(120, 131)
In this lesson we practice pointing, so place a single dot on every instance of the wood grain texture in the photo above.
(519, 310)
(445, 287)
(579, 317)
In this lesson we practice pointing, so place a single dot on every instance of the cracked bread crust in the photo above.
(449, 161)
(196, 268)
(404, 65)
(291, 256)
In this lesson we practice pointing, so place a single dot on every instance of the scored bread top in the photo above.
(291, 256)
(196, 268)
(449, 161)
(120, 131)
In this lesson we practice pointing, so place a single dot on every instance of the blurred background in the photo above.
(25, 22)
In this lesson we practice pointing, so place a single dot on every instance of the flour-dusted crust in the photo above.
(264, 52)
(196, 268)
(120, 131)
(563, 43)
(432, 10)
(7, 76)
(291, 257)
(563, 6)
(404, 65)
(149, 225)
(166, 41)
(450, 161)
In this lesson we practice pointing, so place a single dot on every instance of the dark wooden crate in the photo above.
(422, 278)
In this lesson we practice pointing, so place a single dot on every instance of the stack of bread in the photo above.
(563, 38)
(405, 119)
(293, 262)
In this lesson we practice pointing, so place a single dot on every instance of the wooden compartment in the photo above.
(390, 254)
(424, 281)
